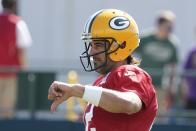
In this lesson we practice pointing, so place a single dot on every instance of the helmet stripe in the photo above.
(85, 27)
(90, 22)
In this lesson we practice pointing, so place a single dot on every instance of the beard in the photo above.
(105, 67)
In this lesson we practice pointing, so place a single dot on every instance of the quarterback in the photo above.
(122, 98)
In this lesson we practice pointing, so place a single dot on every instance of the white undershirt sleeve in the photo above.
(24, 39)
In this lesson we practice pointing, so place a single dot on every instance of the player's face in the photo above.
(100, 58)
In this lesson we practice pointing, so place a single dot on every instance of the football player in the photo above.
(122, 98)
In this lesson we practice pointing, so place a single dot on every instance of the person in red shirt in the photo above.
(123, 97)
(14, 38)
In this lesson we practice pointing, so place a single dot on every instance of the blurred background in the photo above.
(55, 28)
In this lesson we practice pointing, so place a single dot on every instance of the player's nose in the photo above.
(92, 50)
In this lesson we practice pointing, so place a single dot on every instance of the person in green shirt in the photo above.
(158, 53)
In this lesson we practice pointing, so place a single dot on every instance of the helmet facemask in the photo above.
(86, 58)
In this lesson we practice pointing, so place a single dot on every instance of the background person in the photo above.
(14, 38)
(158, 51)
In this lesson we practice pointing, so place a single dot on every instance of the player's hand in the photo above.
(59, 92)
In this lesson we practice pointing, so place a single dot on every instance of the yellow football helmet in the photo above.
(117, 28)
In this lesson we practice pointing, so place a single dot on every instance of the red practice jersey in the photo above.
(126, 78)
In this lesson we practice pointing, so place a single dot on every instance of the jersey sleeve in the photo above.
(174, 47)
(138, 83)
(23, 35)
(174, 58)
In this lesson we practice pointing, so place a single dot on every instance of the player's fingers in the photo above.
(55, 103)
(53, 89)
(57, 89)
(51, 97)
(62, 86)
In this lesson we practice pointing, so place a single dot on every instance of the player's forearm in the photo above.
(170, 79)
(114, 101)
(78, 90)
(120, 102)
(22, 59)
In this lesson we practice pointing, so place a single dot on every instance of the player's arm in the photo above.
(22, 58)
(109, 100)
(120, 102)
(24, 40)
